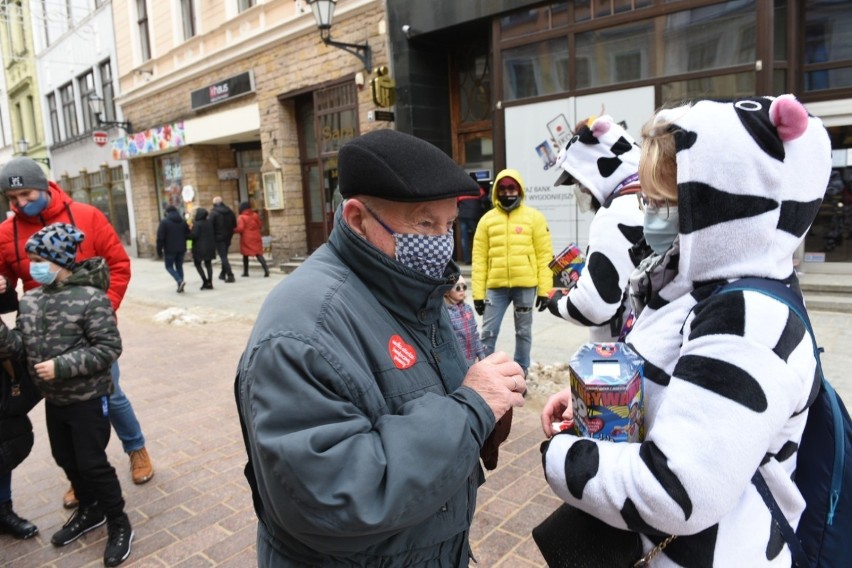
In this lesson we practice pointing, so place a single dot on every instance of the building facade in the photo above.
(242, 100)
(21, 89)
(503, 83)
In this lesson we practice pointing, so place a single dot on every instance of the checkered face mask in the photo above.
(427, 254)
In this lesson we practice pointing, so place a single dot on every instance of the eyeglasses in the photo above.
(460, 287)
(653, 206)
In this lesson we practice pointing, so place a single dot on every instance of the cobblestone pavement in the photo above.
(196, 511)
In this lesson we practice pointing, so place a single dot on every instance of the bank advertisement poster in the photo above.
(536, 132)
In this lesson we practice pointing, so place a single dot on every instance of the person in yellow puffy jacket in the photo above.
(511, 252)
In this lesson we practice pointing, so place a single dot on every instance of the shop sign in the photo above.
(100, 137)
(226, 174)
(383, 88)
(222, 91)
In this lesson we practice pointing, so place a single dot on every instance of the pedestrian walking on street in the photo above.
(729, 189)
(171, 244)
(511, 252)
(250, 229)
(362, 421)
(37, 202)
(67, 331)
(203, 247)
(224, 223)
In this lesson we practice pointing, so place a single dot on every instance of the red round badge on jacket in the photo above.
(402, 354)
(519, 229)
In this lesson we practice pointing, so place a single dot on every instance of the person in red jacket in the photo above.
(249, 227)
(36, 203)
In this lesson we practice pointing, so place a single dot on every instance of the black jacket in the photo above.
(203, 240)
(224, 222)
(172, 234)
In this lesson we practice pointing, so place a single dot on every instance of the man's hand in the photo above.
(559, 407)
(541, 303)
(499, 380)
(46, 370)
(3, 285)
(479, 306)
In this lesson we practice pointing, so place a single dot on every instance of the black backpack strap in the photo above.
(800, 559)
(780, 292)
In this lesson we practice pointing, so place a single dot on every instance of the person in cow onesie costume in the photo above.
(728, 377)
(602, 159)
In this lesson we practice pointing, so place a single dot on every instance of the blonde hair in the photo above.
(657, 163)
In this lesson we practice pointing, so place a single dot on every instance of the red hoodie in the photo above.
(101, 240)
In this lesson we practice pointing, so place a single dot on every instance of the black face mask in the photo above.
(507, 200)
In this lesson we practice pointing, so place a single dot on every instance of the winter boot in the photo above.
(84, 519)
(119, 539)
(11, 523)
(229, 278)
(140, 464)
(264, 265)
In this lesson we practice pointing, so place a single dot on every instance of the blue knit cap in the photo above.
(57, 243)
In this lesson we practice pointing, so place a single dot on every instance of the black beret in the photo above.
(399, 167)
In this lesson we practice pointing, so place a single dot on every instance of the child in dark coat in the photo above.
(464, 322)
(67, 330)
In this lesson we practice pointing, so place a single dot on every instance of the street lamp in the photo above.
(96, 105)
(324, 14)
(24, 145)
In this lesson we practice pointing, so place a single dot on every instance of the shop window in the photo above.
(827, 44)
(169, 180)
(706, 38)
(474, 85)
(535, 70)
(720, 86)
(614, 54)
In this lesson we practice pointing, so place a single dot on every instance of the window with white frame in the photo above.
(69, 110)
(53, 112)
(187, 16)
(107, 91)
(14, 16)
(243, 5)
(142, 28)
(86, 86)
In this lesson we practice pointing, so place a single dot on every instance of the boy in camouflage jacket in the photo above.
(67, 330)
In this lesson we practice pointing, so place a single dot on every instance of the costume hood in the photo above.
(601, 156)
(522, 192)
(751, 175)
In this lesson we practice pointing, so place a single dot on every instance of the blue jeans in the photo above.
(174, 265)
(122, 417)
(467, 227)
(497, 300)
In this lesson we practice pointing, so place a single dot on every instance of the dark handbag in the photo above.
(571, 538)
(18, 393)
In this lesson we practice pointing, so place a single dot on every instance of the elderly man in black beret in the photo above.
(362, 421)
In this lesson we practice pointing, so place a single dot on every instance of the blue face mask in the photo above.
(427, 254)
(33, 208)
(41, 273)
(660, 230)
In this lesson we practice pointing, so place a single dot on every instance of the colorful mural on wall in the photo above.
(166, 137)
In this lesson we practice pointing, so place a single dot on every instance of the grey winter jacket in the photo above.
(364, 444)
(73, 323)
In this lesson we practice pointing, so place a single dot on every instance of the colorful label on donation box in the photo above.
(568, 265)
(606, 383)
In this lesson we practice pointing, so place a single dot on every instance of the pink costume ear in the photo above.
(601, 126)
(789, 117)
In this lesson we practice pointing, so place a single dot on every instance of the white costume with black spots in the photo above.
(728, 377)
(603, 158)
